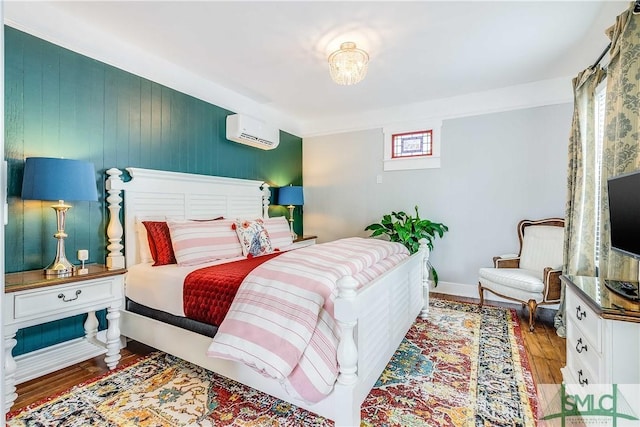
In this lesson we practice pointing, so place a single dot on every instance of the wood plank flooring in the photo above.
(545, 349)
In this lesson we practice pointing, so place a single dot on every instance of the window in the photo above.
(412, 144)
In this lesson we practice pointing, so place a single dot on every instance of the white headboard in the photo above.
(153, 194)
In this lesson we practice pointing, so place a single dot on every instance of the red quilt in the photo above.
(208, 292)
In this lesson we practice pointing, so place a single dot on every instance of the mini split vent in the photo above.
(249, 131)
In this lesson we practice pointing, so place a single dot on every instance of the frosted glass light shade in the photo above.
(348, 65)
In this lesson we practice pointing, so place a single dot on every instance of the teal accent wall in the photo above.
(62, 104)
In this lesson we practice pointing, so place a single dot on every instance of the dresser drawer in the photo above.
(52, 300)
(580, 315)
(583, 353)
(579, 373)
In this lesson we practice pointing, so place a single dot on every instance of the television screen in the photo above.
(624, 213)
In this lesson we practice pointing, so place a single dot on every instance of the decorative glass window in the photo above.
(406, 148)
(412, 144)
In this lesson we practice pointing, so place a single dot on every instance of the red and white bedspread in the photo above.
(281, 320)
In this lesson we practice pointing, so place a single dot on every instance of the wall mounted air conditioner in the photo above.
(253, 132)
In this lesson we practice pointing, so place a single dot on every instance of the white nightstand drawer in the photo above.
(47, 301)
(584, 318)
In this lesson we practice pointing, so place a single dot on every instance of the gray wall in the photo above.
(496, 169)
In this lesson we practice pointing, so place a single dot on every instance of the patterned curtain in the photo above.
(621, 145)
(581, 209)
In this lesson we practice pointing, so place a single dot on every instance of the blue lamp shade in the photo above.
(291, 195)
(58, 179)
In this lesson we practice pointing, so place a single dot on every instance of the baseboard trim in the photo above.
(460, 289)
(471, 291)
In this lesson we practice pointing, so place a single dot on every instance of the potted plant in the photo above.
(409, 230)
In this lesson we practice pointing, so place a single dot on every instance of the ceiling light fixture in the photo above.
(348, 65)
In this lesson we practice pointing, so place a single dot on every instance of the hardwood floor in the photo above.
(59, 381)
(545, 349)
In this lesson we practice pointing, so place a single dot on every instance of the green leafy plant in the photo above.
(409, 230)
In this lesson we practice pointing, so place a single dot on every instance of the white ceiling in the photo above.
(273, 54)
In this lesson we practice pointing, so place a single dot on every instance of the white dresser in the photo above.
(603, 334)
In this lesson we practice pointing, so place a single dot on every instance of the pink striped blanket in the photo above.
(281, 320)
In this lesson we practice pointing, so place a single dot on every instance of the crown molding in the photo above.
(49, 23)
(530, 95)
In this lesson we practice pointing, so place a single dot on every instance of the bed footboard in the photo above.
(373, 321)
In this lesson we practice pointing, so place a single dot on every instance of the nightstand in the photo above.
(303, 241)
(33, 299)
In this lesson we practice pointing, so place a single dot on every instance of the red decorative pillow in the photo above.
(160, 242)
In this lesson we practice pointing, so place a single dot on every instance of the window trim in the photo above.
(391, 163)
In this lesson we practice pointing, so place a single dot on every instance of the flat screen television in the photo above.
(624, 226)
(624, 213)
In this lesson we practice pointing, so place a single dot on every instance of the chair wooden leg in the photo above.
(533, 305)
(481, 292)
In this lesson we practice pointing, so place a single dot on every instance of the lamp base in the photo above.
(60, 268)
(294, 236)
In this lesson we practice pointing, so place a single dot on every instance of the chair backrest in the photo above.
(541, 244)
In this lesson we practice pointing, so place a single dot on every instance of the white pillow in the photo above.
(279, 231)
(197, 242)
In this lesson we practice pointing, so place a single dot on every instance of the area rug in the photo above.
(462, 366)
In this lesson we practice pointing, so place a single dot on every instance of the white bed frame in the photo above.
(374, 319)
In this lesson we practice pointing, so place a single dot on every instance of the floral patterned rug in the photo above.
(463, 366)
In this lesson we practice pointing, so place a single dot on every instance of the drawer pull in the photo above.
(580, 314)
(64, 298)
(580, 347)
(582, 381)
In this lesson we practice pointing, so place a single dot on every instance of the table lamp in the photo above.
(291, 196)
(59, 179)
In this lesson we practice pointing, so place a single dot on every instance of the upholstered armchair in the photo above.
(533, 276)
